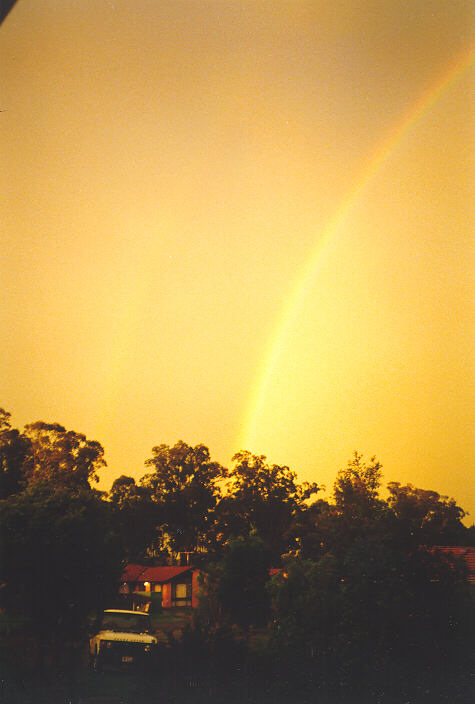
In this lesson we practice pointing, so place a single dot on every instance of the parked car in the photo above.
(124, 638)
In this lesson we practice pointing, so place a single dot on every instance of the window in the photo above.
(181, 591)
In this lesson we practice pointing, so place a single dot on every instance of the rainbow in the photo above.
(281, 334)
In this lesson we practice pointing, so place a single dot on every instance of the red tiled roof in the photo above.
(162, 574)
(142, 573)
(132, 573)
(467, 553)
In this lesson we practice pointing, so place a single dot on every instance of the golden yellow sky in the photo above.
(169, 171)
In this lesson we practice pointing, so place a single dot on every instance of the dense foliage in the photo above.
(60, 559)
(61, 556)
(184, 487)
(360, 605)
(235, 586)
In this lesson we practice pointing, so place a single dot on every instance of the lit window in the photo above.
(181, 591)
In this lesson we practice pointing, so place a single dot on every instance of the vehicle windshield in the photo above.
(126, 623)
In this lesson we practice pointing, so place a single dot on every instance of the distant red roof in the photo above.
(132, 573)
(142, 573)
(162, 574)
(467, 553)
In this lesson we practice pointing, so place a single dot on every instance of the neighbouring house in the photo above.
(466, 553)
(177, 585)
(131, 578)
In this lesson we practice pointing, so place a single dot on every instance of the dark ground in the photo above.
(235, 670)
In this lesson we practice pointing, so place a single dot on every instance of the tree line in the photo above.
(361, 597)
(188, 503)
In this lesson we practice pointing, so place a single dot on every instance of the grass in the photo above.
(169, 624)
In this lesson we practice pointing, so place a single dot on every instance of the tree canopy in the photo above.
(424, 517)
(135, 517)
(60, 558)
(184, 485)
(14, 450)
(63, 456)
(356, 486)
(362, 598)
(237, 582)
(265, 498)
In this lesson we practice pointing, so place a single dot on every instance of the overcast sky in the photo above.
(170, 170)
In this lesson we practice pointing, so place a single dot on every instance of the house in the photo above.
(177, 585)
(131, 578)
(466, 553)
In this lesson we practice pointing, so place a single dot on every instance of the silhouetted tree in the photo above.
(265, 498)
(356, 486)
(371, 610)
(235, 587)
(425, 518)
(60, 559)
(374, 620)
(135, 517)
(61, 456)
(305, 600)
(184, 485)
(358, 510)
(14, 449)
(315, 530)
